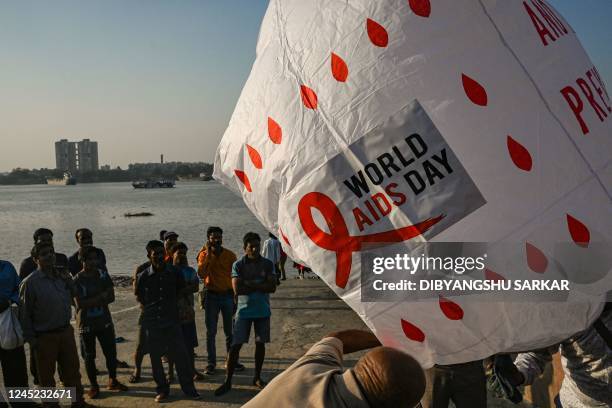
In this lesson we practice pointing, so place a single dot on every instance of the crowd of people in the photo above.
(50, 284)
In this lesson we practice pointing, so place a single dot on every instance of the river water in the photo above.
(187, 209)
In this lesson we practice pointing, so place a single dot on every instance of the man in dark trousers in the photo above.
(94, 292)
(45, 310)
(28, 266)
(253, 279)
(158, 289)
(84, 237)
(141, 350)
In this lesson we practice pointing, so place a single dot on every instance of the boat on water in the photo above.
(205, 177)
(67, 180)
(153, 184)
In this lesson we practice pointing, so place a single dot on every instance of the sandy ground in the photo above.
(303, 311)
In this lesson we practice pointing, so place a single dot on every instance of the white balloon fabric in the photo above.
(395, 123)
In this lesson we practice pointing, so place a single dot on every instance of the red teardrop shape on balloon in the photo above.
(536, 260)
(493, 276)
(284, 237)
(450, 309)
(519, 154)
(474, 90)
(579, 232)
(420, 7)
(244, 179)
(339, 68)
(309, 97)
(377, 33)
(412, 332)
(255, 157)
(274, 131)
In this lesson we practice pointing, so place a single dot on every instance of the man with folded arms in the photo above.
(253, 279)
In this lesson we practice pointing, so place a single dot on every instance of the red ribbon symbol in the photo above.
(339, 240)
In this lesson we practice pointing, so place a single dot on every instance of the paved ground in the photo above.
(303, 312)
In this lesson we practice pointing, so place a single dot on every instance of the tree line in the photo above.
(135, 171)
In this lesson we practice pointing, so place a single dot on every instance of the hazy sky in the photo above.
(144, 77)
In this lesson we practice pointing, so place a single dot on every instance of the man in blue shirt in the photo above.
(13, 361)
(253, 279)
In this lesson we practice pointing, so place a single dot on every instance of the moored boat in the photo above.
(153, 184)
(67, 180)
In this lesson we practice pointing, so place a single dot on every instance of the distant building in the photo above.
(65, 155)
(105, 167)
(73, 156)
(87, 153)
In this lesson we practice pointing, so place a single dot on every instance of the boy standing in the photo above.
(253, 279)
(178, 251)
(94, 292)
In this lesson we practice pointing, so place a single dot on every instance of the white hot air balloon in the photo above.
(380, 127)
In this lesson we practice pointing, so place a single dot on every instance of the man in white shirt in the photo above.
(272, 251)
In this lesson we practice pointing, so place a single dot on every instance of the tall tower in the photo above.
(87, 155)
(65, 155)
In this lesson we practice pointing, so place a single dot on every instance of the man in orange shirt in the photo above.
(215, 270)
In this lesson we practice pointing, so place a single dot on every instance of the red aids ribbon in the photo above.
(339, 239)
